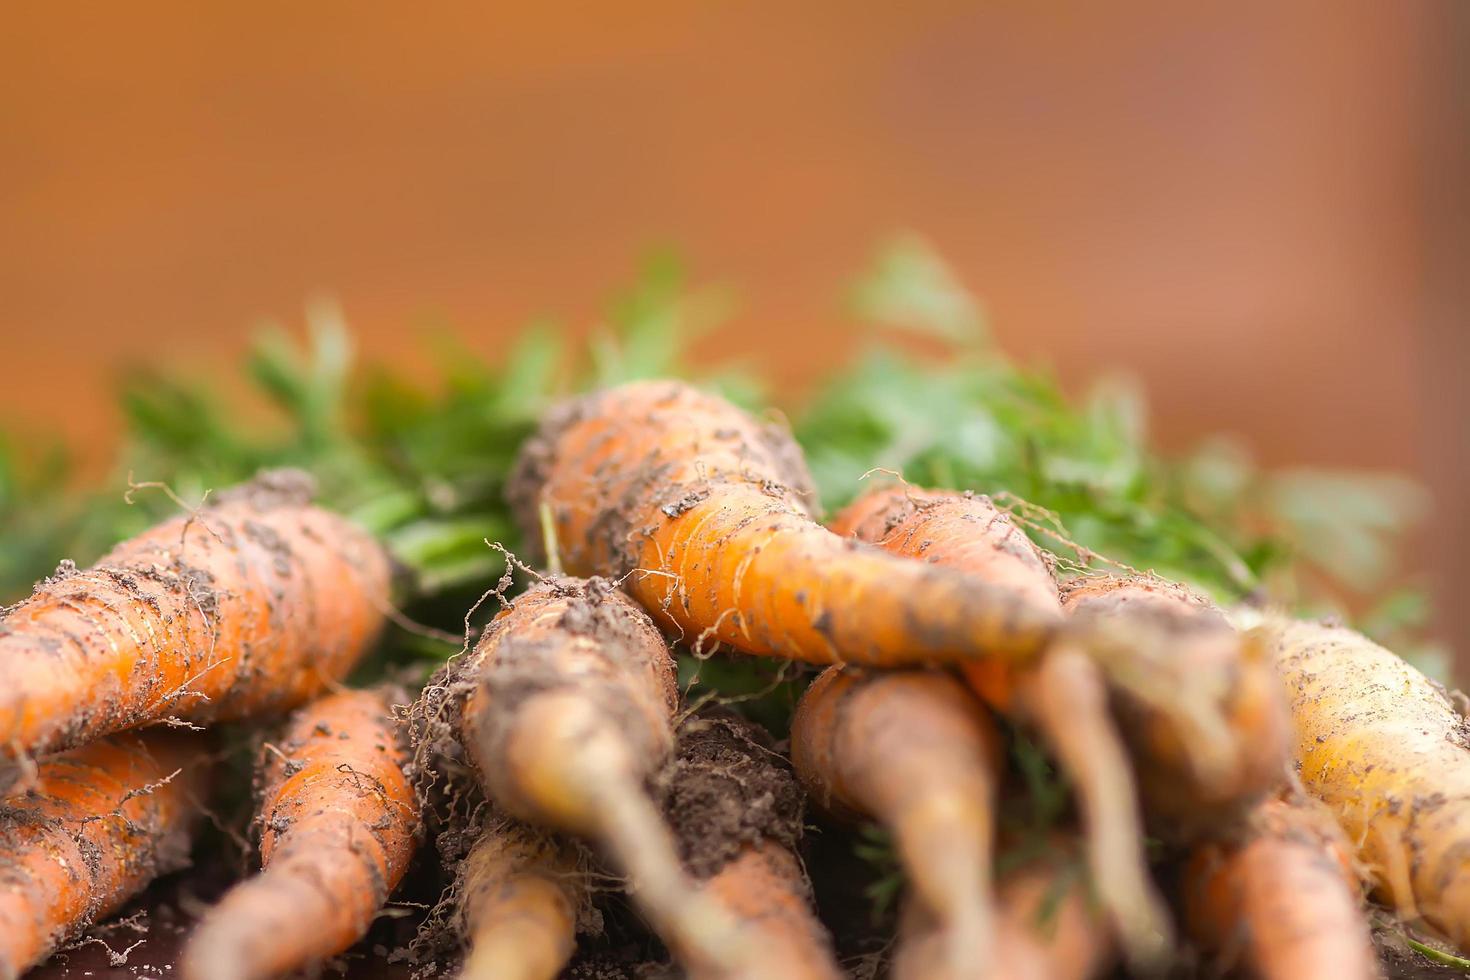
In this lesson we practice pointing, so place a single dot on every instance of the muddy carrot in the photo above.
(99, 824)
(1063, 694)
(1279, 896)
(916, 752)
(250, 605)
(1382, 746)
(339, 823)
(737, 811)
(565, 708)
(519, 893)
(708, 513)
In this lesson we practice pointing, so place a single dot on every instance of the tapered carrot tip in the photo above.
(340, 825)
(250, 605)
(706, 513)
(102, 822)
(1199, 704)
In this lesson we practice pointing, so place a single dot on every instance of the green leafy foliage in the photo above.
(425, 465)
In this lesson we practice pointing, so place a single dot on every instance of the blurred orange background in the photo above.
(1257, 207)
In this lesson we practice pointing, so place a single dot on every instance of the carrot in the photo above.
(1064, 694)
(1382, 746)
(1281, 896)
(339, 821)
(251, 605)
(737, 811)
(916, 752)
(519, 895)
(565, 708)
(1200, 708)
(101, 822)
(708, 513)
(1046, 929)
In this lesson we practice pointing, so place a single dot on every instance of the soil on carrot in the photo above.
(646, 486)
(729, 787)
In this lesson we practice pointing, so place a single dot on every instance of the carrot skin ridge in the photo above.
(248, 606)
(340, 827)
(101, 823)
(916, 752)
(707, 514)
(1062, 694)
(1282, 898)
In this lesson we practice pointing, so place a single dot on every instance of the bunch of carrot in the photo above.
(1212, 772)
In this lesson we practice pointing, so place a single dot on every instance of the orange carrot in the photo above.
(916, 752)
(1046, 929)
(519, 896)
(1384, 748)
(339, 821)
(566, 710)
(1064, 694)
(737, 811)
(1201, 709)
(251, 605)
(101, 822)
(711, 513)
(1281, 897)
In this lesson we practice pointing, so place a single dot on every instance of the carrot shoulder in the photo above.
(339, 821)
(1280, 897)
(250, 605)
(1383, 748)
(711, 513)
(101, 822)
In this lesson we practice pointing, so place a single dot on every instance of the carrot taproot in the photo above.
(1198, 704)
(1384, 748)
(917, 752)
(1046, 929)
(738, 813)
(100, 823)
(1280, 896)
(1063, 694)
(339, 824)
(708, 514)
(565, 708)
(252, 604)
(519, 894)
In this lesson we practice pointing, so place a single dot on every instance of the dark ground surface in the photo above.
(144, 940)
(159, 923)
